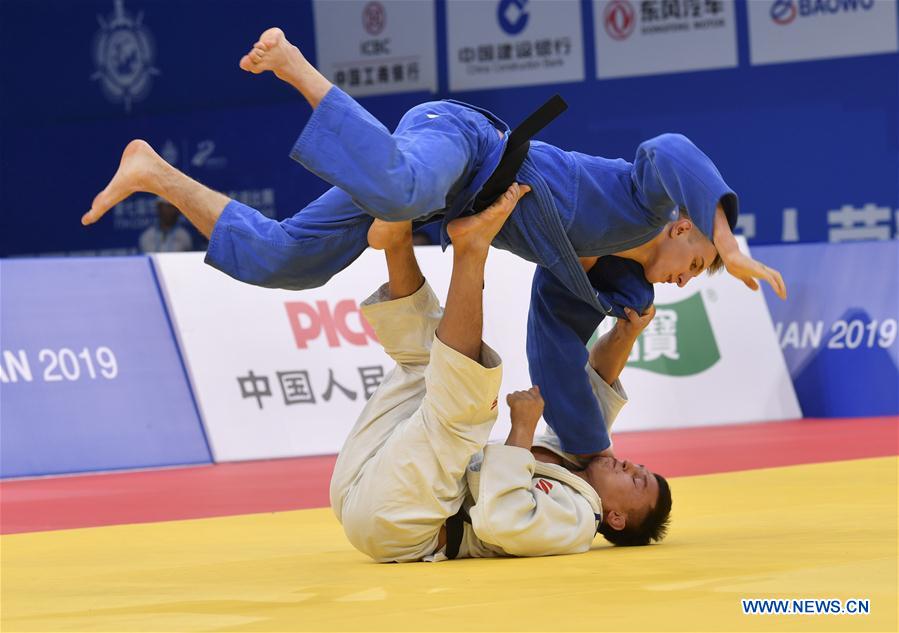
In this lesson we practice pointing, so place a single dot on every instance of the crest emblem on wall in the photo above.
(123, 55)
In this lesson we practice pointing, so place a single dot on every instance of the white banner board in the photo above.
(798, 30)
(373, 47)
(501, 43)
(279, 373)
(651, 37)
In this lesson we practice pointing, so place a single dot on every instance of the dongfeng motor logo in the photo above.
(619, 19)
(123, 55)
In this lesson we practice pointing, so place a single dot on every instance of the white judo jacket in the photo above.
(520, 506)
(414, 457)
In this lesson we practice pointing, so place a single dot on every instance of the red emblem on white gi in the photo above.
(544, 485)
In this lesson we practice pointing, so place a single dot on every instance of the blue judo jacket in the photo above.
(433, 166)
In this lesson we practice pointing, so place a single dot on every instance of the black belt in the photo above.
(455, 528)
(517, 150)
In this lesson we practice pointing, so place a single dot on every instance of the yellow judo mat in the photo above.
(822, 531)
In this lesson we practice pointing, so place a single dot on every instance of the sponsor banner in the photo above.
(649, 37)
(798, 30)
(373, 47)
(838, 328)
(90, 377)
(280, 373)
(709, 356)
(501, 43)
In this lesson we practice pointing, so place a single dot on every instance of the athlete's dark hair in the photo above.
(653, 528)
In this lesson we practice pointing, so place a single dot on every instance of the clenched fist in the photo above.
(525, 407)
(635, 323)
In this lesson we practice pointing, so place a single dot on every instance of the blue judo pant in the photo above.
(439, 155)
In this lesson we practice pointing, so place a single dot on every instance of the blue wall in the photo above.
(810, 135)
(90, 374)
(838, 327)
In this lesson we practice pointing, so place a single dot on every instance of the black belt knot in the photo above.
(516, 151)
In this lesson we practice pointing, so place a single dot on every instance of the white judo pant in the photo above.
(401, 472)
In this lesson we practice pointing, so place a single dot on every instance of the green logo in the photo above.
(678, 342)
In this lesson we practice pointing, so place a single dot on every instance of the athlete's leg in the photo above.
(303, 251)
(404, 314)
(406, 489)
(408, 175)
(404, 276)
(142, 169)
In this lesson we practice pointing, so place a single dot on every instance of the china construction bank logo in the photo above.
(123, 56)
(679, 341)
(512, 15)
(784, 12)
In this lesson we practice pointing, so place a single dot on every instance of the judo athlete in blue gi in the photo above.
(601, 231)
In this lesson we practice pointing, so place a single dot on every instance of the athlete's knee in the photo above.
(407, 194)
(385, 540)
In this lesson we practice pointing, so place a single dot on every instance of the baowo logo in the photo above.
(123, 55)
(784, 12)
(678, 342)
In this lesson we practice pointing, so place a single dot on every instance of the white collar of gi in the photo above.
(560, 473)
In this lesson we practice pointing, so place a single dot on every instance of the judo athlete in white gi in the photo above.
(414, 480)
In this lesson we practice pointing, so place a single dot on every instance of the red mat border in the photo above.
(91, 500)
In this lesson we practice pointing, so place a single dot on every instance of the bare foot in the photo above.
(386, 235)
(477, 231)
(138, 163)
(273, 52)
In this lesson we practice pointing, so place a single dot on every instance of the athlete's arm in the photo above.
(525, 409)
(610, 352)
(738, 263)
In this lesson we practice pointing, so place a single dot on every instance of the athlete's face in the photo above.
(626, 489)
(682, 254)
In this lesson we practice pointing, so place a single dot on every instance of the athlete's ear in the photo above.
(679, 227)
(615, 520)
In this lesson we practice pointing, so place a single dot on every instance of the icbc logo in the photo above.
(345, 322)
(619, 19)
(374, 18)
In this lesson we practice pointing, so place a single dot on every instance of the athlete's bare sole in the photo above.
(477, 231)
(273, 52)
(135, 171)
(143, 170)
